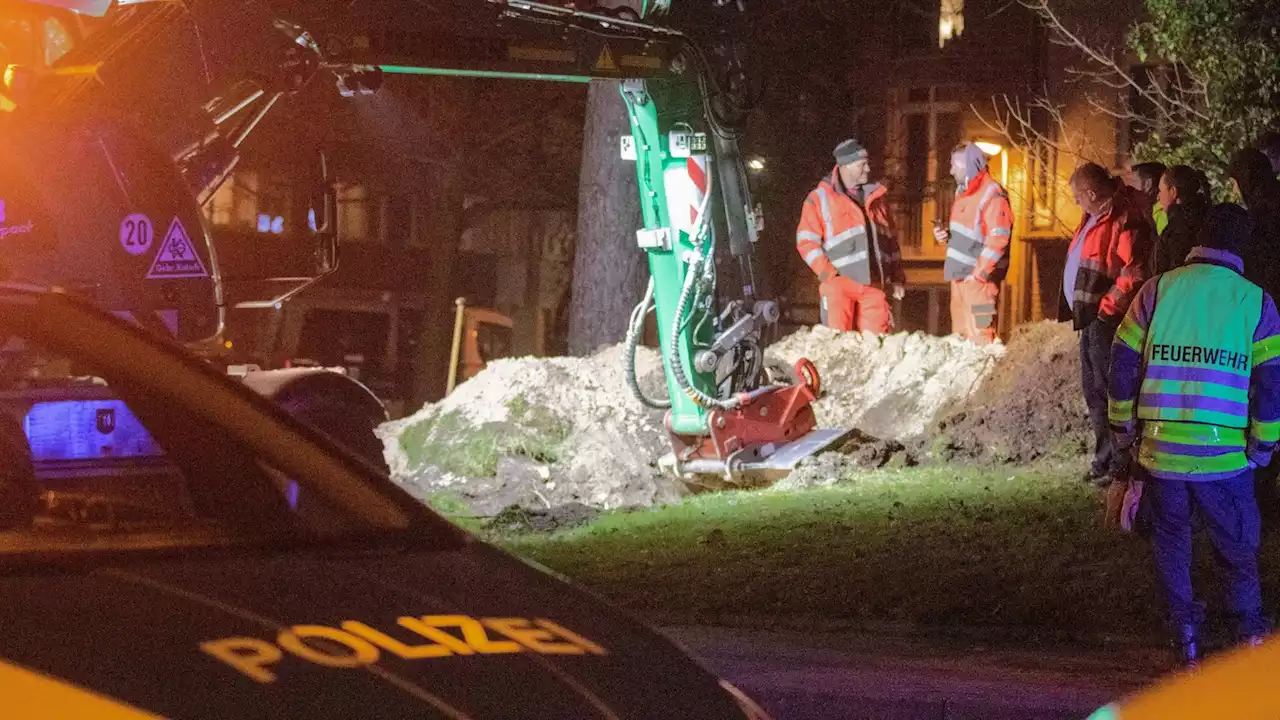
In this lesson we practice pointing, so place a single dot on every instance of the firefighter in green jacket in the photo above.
(1195, 403)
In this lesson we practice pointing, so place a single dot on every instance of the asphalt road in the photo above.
(876, 677)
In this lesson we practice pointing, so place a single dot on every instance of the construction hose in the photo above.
(677, 363)
(695, 267)
(634, 330)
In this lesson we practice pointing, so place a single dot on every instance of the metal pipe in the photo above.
(453, 72)
(458, 320)
(243, 134)
(246, 102)
(562, 12)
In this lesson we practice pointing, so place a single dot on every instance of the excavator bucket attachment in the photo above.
(759, 442)
(757, 471)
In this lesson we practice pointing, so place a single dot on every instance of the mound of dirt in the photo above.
(1029, 407)
(538, 433)
(892, 387)
(543, 433)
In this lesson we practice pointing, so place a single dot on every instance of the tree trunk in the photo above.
(609, 270)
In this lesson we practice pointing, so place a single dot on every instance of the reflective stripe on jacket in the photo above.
(981, 226)
(837, 235)
(1112, 259)
(1195, 372)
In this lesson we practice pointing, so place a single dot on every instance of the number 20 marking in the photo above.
(136, 233)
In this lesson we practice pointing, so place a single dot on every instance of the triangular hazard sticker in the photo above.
(177, 257)
(604, 61)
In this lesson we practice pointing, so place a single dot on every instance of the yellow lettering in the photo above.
(419, 626)
(536, 639)
(571, 636)
(473, 633)
(362, 653)
(248, 655)
(394, 646)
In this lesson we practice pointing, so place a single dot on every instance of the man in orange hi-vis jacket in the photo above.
(846, 238)
(977, 245)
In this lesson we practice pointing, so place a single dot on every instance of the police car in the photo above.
(1240, 685)
(172, 545)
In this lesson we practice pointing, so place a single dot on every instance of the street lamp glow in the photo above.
(989, 148)
(756, 164)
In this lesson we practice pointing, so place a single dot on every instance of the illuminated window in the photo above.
(235, 204)
(221, 208)
(950, 21)
(355, 213)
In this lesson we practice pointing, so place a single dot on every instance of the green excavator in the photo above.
(684, 72)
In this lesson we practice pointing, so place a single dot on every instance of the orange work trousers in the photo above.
(849, 305)
(973, 310)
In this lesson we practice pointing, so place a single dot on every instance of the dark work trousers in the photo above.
(1230, 514)
(1095, 371)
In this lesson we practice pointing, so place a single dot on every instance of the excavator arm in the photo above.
(687, 84)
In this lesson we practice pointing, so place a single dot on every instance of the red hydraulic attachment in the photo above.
(758, 427)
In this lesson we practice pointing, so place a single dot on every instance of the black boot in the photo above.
(1188, 647)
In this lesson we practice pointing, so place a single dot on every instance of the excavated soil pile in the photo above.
(1030, 407)
(893, 387)
(538, 433)
(546, 433)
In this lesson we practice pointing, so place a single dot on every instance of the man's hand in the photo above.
(899, 291)
(941, 234)
(970, 279)
(1129, 507)
(825, 275)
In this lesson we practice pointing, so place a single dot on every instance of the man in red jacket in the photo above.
(846, 238)
(1105, 268)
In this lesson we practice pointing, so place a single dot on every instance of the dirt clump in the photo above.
(859, 451)
(515, 519)
(1030, 406)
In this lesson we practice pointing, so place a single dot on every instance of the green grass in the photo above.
(922, 547)
(452, 506)
(447, 441)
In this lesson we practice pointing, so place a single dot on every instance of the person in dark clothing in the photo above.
(1184, 196)
(1270, 146)
(1106, 264)
(1253, 181)
(1146, 180)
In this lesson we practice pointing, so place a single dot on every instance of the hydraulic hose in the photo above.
(634, 330)
(692, 272)
(673, 351)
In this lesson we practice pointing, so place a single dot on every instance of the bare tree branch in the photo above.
(1112, 73)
